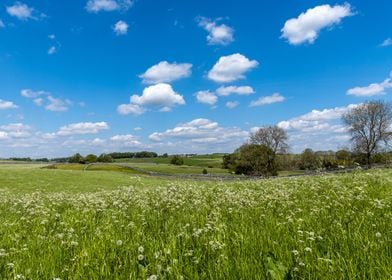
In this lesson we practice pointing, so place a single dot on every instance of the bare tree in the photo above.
(370, 126)
(273, 137)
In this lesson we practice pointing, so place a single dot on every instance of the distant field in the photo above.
(104, 224)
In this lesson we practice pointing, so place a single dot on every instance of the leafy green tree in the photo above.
(105, 158)
(76, 158)
(309, 160)
(91, 158)
(177, 160)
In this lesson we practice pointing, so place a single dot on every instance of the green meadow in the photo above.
(110, 223)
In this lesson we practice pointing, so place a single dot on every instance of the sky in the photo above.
(186, 76)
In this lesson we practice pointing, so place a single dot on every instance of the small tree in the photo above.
(309, 160)
(370, 126)
(91, 158)
(273, 137)
(105, 158)
(256, 160)
(76, 158)
(177, 160)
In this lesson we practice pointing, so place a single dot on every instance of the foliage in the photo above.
(176, 160)
(91, 158)
(370, 126)
(142, 154)
(105, 158)
(273, 137)
(76, 158)
(309, 160)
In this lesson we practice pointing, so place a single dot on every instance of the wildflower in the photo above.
(10, 265)
(295, 252)
(140, 257)
(119, 242)
(141, 249)
(152, 277)
(308, 249)
(378, 235)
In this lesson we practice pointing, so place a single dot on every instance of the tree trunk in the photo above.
(368, 157)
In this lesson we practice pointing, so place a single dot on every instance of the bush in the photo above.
(91, 158)
(177, 160)
(76, 158)
(205, 171)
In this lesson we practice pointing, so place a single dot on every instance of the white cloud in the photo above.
(57, 104)
(242, 90)
(123, 138)
(266, 100)
(318, 129)
(218, 34)
(15, 130)
(232, 104)
(372, 89)
(48, 101)
(231, 68)
(201, 131)
(52, 36)
(120, 28)
(206, 97)
(22, 12)
(52, 50)
(7, 105)
(95, 6)
(387, 42)
(126, 109)
(2, 25)
(29, 93)
(160, 95)
(306, 27)
(166, 72)
(138, 128)
(82, 128)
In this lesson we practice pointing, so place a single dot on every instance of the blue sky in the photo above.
(185, 76)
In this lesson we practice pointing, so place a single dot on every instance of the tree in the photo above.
(370, 126)
(253, 159)
(76, 158)
(273, 137)
(343, 157)
(105, 158)
(177, 160)
(91, 158)
(309, 160)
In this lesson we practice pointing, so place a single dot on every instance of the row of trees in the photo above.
(370, 127)
(91, 158)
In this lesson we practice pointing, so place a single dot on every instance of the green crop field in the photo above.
(105, 224)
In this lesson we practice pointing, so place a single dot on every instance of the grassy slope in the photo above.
(323, 227)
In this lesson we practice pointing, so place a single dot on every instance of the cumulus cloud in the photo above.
(307, 26)
(218, 34)
(47, 100)
(95, 6)
(231, 68)
(23, 12)
(266, 100)
(206, 97)
(387, 42)
(318, 129)
(7, 105)
(242, 90)
(120, 28)
(82, 128)
(200, 132)
(160, 95)
(372, 89)
(52, 50)
(165, 72)
(232, 104)
(14, 131)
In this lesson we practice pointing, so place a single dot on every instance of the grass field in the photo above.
(71, 224)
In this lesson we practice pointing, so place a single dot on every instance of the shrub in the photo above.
(177, 160)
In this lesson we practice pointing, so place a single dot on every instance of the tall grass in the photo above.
(331, 227)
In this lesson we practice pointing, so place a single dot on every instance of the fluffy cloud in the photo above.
(48, 101)
(231, 68)
(160, 95)
(218, 34)
(166, 72)
(387, 42)
(52, 50)
(372, 89)
(201, 134)
(242, 90)
(82, 128)
(306, 27)
(95, 6)
(232, 104)
(120, 28)
(266, 100)
(318, 129)
(206, 97)
(7, 105)
(22, 12)
(14, 130)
